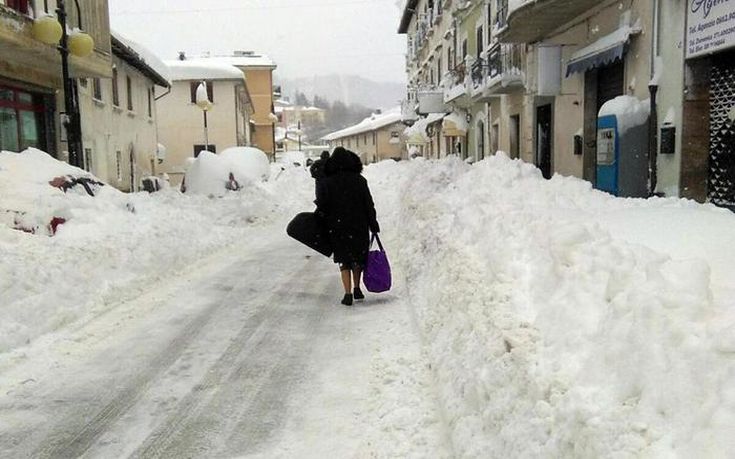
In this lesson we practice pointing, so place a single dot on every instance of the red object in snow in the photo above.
(55, 223)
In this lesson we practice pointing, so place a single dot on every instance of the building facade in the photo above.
(530, 78)
(181, 125)
(376, 138)
(119, 119)
(31, 86)
(258, 70)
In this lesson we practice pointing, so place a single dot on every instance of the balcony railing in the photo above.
(502, 68)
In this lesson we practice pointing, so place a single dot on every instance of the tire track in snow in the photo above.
(72, 441)
(249, 381)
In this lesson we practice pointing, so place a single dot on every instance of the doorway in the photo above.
(515, 136)
(544, 135)
(600, 85)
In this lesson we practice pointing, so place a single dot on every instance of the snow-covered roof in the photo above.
(369, 124)
(141, 58)
(244, 59)
(202, 68)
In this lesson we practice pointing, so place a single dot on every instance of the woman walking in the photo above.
(345, 204)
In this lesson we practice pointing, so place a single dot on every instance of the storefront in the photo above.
(709, 106)
(25, 119)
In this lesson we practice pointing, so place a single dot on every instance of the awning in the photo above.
(602, 52)
(454, 125)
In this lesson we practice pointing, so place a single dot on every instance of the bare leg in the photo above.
(346, 280)
(356, 273)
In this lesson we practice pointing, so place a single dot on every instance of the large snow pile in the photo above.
(113, 245)
(629, 111)
(213, 174)
(563, 322)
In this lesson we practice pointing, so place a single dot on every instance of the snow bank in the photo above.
(247, 163)
(550, 335)
(113, 245)
(213, 174)
(293, 158)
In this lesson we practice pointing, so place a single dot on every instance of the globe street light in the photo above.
(50, 31)
(205, 104)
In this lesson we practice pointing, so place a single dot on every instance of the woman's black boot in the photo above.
(358, 294)
(347, 300)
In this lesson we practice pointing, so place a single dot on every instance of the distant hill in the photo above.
(350, 89)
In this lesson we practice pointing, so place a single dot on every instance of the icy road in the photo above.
(247, 354)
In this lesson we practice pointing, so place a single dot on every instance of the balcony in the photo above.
(455, 85)
(530, 21)
(501, 73)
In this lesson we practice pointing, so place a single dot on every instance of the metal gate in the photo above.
(721, 183)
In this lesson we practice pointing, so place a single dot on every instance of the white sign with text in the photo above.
(710, 26)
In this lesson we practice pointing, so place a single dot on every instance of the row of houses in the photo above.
(377, 137)
(138, 113)
(533, 77)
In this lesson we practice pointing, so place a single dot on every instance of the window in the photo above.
(115, 89)
(118, 160)
(96, 89)
(200, 148)
(364, 139)
(375, 136)
(83, 82)
(439, 68)
(22, 120)
(129, 87)
(193, 89)
(464, 49)
(150, 103)
(21, 6)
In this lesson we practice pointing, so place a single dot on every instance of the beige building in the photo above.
(375, 138)
(31, 88)
(527, 77)
(580, 54)
(181, 122)
(258, 70)
(119, 120)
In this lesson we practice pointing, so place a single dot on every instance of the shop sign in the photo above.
(710, 26)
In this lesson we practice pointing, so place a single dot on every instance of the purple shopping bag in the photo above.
(377, 270)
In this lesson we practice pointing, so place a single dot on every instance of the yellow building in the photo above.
(258, 70)
(181, 121)
(375, 138)
(31, 87)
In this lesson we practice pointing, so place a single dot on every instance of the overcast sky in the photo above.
(304, 37)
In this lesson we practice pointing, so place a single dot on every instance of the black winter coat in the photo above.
(344, 202)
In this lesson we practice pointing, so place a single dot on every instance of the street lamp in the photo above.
(205, 104)
(52, 32)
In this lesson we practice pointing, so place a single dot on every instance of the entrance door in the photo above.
(600, 85)
(515, 136)
(544, 132)
(721, 180)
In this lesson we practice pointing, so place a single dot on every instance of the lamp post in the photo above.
(299, 132)
(205, 104)
(53, 32)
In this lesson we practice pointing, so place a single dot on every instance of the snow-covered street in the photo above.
(243, 355)
(528, 318)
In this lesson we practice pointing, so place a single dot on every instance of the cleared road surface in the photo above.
(248, 354)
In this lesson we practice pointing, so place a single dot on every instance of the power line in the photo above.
(250, 8)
